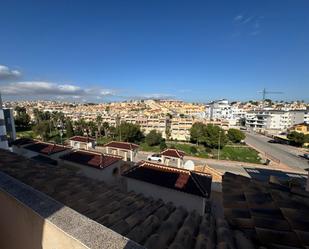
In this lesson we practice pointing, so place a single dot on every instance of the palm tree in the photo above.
(106, 128)
(99, 124)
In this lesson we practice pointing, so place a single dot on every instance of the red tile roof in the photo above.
(92, 159)
(122, 145)
(191, 182)
(173, 153)
(46, 148)
(82, 139)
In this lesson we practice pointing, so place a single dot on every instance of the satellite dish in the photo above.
(189, 165)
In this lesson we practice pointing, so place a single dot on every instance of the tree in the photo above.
(214, 136)
(42, 129)
(128, 132)
(106, 129)
(235, 135)
(297, 138)
(153, 138)
(91, 128)
(196, 132)
(80, 126)
(209, 135)
(99, 124)
(168, 132)
(69, 129)
(193, 150)
(22, 119)
(307, 138)
(163, 145)
(41, 116)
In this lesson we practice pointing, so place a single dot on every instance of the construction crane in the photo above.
(264, 92)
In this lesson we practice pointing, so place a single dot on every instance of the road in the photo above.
(251, 170)
(287, 154)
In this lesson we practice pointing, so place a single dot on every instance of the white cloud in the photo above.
(7, 73)
(248, 24)
(157, 96)
(35, 88)
(238, 18)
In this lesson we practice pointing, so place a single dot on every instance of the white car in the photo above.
(155, 157)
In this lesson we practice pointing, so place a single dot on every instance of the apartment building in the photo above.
(180, 128)
(274, 119)
(158, 123)
(306, 117)
(220, 109)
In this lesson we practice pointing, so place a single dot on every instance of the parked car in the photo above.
(306, 155)
(155, 157)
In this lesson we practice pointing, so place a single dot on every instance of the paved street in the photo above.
(288, 155)
(251, 170)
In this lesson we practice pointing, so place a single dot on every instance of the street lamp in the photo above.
(219, 139)
(219, 144)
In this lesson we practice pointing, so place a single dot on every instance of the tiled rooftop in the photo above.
(173, 153)
(45, 148)
(272, 214)
(149, 222)
(82, 139)
(22, 141)
(92, 159)
(195, 183)
(122, 145)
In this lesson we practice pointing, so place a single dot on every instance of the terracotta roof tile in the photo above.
(171, 177)
(129, 214)
(82, 139)
(122, 145)
(92, 159)
(173, 153)
(46, 148)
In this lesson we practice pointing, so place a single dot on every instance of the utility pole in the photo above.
(219, 140)
(219, 144)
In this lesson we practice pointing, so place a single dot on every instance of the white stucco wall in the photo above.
(188, 201)
(82, 145)
(106, 175)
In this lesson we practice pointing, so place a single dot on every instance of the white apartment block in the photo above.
(306, 117)
(220, 110)
(274, 119)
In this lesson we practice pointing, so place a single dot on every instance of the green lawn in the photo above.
(146, 147)
(190, 149)
(233, 153)
(242, 154)
(25, 134)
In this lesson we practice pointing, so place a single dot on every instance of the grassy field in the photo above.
(233, 153)
(190, 149)
(25, 134)
(241, 154)
(145, 147)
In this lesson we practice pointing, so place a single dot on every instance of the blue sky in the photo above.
(191, 50)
